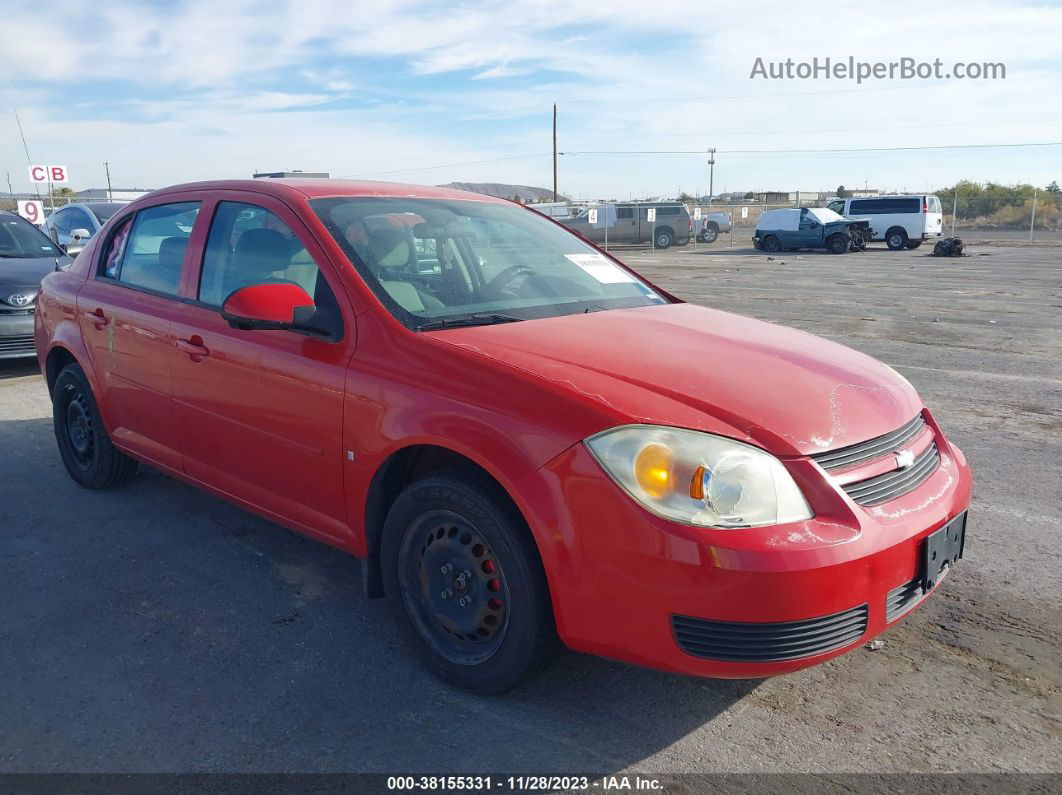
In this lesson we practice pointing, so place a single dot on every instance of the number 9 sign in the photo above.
(32, 211)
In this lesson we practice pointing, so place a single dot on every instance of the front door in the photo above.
(261, 412)
(125, 312)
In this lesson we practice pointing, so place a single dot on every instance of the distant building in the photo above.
(296, 174)
(114, 194)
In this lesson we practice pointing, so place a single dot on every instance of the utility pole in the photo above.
(9, 188)
(555, 152)
(711, 176)
(107, 168)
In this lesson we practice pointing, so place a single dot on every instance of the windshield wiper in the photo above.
(471, 319)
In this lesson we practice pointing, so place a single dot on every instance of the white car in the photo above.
(901, 221)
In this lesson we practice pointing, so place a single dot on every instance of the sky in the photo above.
(432, 92)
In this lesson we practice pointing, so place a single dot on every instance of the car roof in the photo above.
(320, 188)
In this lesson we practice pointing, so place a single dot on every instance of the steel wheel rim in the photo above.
(662, 240)
(896, 240)
(80, 430)
(454, 588)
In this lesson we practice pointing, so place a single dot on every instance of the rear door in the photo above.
(626, 227)
(934, 216)
(261, 411)
(126, 309)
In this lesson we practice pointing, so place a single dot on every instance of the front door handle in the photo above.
(194, 347)
(97, 318)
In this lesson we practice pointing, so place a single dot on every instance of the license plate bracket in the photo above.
(942, 549)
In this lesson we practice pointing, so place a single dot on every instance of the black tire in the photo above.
(710, 233)
(461, 519)
(86, 449)
(914, 243)
(663, 238)
(896, 238)
(771, 244)
(837, 243)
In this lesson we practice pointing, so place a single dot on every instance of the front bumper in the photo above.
(623, 581)
(16, 335)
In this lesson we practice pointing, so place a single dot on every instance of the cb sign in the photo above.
(48, 174)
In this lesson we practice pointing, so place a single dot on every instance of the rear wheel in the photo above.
(664, 238)
(896, 238)
(771, 243)
(914, 243)
(465, 582)
(710, 233)
(86, 449)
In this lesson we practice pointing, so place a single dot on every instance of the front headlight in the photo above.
(699, 479)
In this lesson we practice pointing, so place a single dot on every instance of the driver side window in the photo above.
(249, 245)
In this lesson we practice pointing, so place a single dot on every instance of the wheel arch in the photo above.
(400, 468)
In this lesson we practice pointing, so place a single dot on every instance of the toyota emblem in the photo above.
(20, 299)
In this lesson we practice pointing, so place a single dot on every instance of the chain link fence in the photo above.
(1032, 219)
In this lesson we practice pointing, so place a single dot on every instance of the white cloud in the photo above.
(437, 83)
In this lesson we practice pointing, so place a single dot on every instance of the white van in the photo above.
(901, 221)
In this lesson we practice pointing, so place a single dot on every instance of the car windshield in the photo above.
(436, 263)
(19, 239)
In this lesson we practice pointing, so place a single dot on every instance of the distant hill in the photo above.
(525, 193)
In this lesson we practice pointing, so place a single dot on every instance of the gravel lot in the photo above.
(155, 628)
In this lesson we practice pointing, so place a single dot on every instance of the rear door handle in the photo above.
(97, 318)
(194, 348)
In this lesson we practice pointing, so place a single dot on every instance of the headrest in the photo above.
(262, 250)
(171, 252)
(389, 248)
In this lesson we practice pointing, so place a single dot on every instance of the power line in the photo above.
(713, 134)
(806, 151)
(445, 165)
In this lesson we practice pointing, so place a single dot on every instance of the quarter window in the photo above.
(153, 255)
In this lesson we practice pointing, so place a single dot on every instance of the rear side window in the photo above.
(112, 257)
(152, 256)
(624, 212)
(667, 210)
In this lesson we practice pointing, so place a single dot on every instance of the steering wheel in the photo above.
(501, 281)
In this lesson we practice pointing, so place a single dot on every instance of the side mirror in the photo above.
(267, 306)
(78, 240)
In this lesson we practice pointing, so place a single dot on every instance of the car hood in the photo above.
(684, 365)
(25, 271)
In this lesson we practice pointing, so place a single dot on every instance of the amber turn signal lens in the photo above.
(652, 469)
(697, 484)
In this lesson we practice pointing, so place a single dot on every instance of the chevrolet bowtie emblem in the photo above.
(904, 459)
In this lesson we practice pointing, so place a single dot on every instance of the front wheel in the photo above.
(710, 234)
(466, 584)
(771, 244)
(837, 244)
(87, 451)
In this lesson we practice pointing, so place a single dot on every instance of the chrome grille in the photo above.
(882, 488)
(853, 454)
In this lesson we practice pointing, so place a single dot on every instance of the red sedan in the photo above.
(523, 440)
